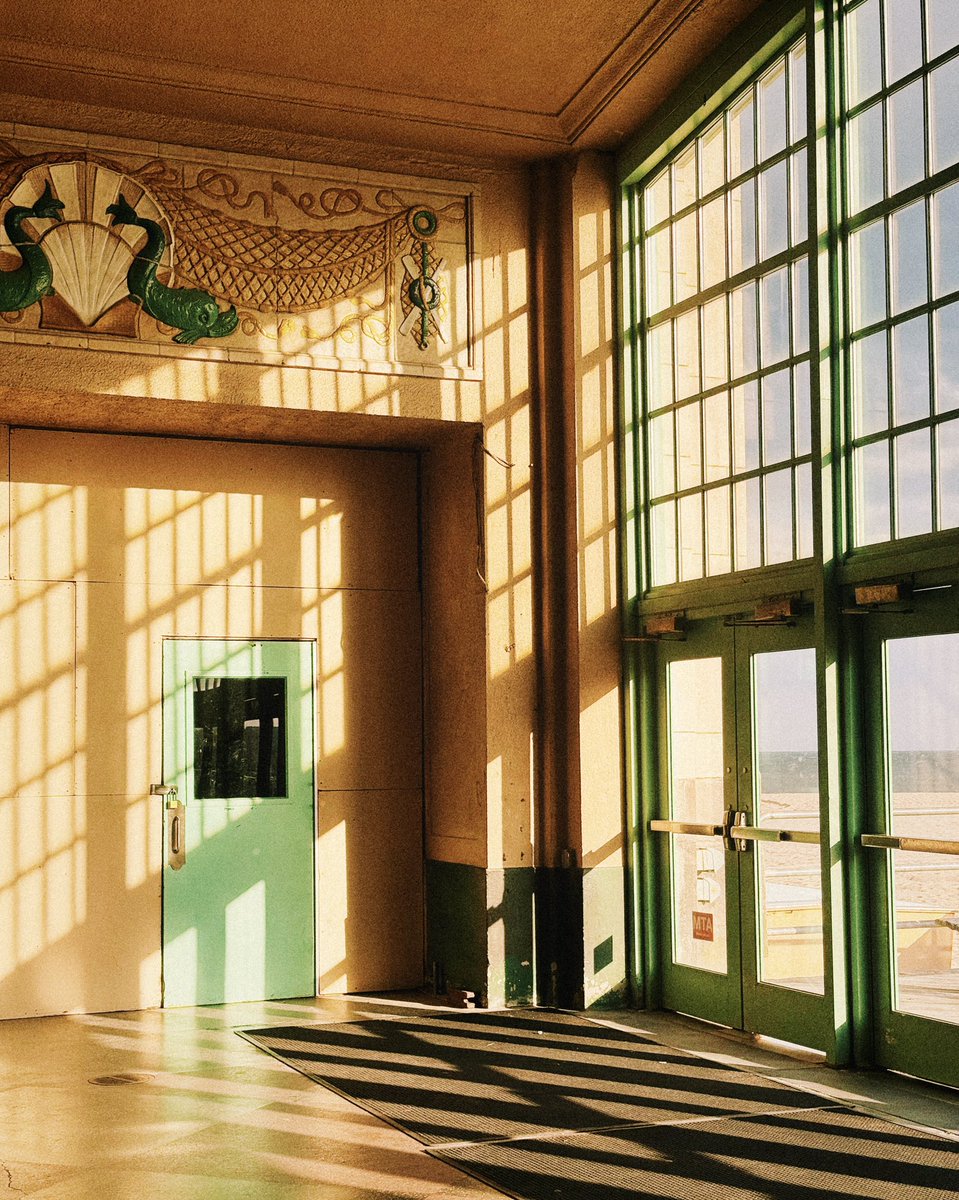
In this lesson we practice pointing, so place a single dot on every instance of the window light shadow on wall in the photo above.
(100, 574)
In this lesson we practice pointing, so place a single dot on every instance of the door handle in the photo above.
(176, 816)
(880, 841)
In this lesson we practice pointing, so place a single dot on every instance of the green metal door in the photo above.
(911, 840)
(238, 748)
(742, 923)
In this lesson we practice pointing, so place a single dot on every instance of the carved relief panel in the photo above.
(306, 266)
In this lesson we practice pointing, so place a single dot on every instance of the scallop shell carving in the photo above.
(90, 257)
(90, 265)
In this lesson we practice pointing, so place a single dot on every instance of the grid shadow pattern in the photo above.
(553, 1106)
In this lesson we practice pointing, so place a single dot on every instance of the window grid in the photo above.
(729, 484)
(901, 196)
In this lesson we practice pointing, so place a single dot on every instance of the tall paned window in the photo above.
(724, 256)
(900, 138)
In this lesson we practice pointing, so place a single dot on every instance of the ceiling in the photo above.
(521, 79)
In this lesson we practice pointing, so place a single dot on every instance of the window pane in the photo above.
(774, 316)
(804, 521)
(746, 505)
(907, 137)
(662, 521)
(742, 132)
(684, 179)
(745, 428)
(773, 211)
(910, 371)
(714, 343)
(691, 537)
(686, 254)
(903, 38)
(913, 484)
(239, 732)
(658, 271)
(871, 499)
(947, 445)
(777, 418)
(802, 412)
(907, 235)
(687, 354)
(689, 454)
(742, 227)
(942, 26)
(712, 158)
(657, 200)
(867, 155)
(870, 385)
(772, 111)
(713, 242)
(662, 456)
(778, 516)
(944, 115)
(742, 330)
(716, 436)
(801, 306)
(863, 53)
(659, 366)
(797, 93)
(798, 199)
(867, 261)
(718, 548)
(945, 244)
(947, 358)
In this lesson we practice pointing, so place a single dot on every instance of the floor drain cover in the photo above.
(124, 1077)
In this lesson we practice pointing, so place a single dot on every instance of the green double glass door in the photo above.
(737, 835)
(911, 833)
(238, 892)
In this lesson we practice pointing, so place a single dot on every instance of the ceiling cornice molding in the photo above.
(648, 38)
(195, 82)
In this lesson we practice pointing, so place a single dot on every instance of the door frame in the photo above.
(739, 999)
(902, 1041)
(171, 773)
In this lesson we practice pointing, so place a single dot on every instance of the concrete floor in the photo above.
(208, 1117)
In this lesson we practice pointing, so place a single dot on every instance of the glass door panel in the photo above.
(922, 681)
(738, 830)
(697, 862)
(913, 842)
(700, 878)
(787, 801)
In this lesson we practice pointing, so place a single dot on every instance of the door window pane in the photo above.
(786, 796)
(698, 864)
(239, 737)
(922, 699)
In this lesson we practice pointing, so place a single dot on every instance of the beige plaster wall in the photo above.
(108, 554)
(482, 717)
